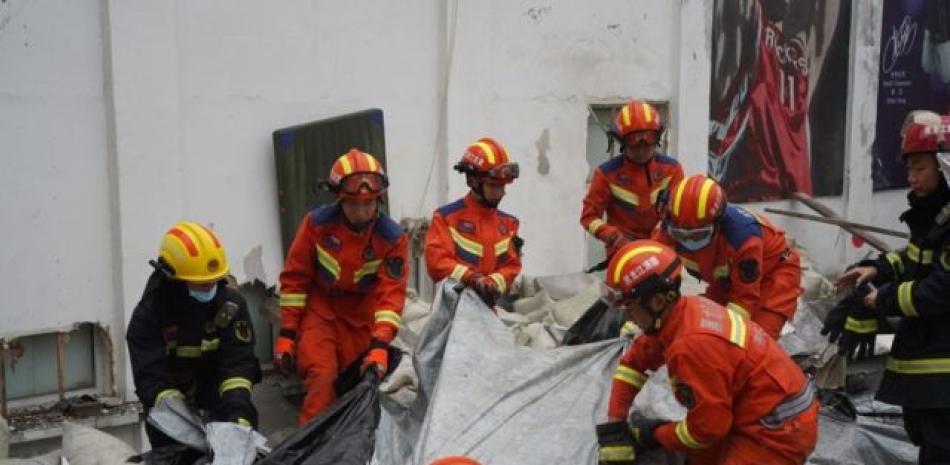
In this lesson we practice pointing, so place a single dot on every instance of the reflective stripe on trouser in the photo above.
(327, 346)
(754, 443)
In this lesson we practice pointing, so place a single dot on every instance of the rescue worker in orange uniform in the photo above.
(343, 286)
(747, 402)
(744, 259)
(470, 239)
(630, 188)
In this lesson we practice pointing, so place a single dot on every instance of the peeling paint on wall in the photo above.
(536, 13)
(254, 265)
(543, 144)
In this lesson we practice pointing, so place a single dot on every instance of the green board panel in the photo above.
(304, 154)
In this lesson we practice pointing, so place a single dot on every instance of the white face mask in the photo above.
(943, 159)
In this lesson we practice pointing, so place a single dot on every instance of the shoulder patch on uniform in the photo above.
(395, 267)
(242, 331)
(666, 159)
(509, 216)
(612, 165)
(388, 229)
(684, 394)
(739, 225)
(324, 215)
(748, 270)
(450, 208)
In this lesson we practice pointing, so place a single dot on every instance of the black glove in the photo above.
(616, 443)
(643, 429)
(852, 325)
(834, 321)
(860, 327)
(860, 330)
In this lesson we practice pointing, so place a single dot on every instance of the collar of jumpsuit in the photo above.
(670, 325)
(472, 202)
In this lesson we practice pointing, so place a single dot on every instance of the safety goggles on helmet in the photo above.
(647, 137)
(363, 183)
(503, 172)
(612, 296)
(691, 239)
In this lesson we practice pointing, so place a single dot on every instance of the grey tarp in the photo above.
(483, 396)
(480, 394)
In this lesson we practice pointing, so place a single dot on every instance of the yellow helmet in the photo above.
(193, 253)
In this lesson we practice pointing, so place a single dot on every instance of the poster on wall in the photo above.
(915, 75)
(778, 97)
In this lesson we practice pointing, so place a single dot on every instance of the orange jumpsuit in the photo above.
(730, 376)
(466, 237)
(339, 289)
(628, 193)
(749, 268)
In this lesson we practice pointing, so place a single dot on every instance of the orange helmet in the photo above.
(640, 269)
(696, 204)
(487, 159)
(639, 120)
(455, 460)
(925, 132)
(357, 175)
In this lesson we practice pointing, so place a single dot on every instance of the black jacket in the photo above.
(204, 350)
(914, 283)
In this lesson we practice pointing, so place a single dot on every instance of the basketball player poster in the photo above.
(778, 97)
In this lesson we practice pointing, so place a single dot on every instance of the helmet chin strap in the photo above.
(480, 195)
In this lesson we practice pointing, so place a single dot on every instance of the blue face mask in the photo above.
(203, 296)
(694, 245)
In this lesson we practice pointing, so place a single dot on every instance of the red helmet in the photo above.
(455, 460)
(640, 269)
(486, 158)
(696, 203)
(357, 175)
(925, 132)
(640, 119)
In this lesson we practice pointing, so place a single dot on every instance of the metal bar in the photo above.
(839, 222)
(821, 208)
(61, 363)
(3, 379)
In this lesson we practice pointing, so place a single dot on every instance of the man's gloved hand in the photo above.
(643, 429)
(486, 287)
(860, 330)
(284, 350)
(615, 240)
(616, 443)
(834, 321)
(860, 325)
(378, 357)
(168, 394)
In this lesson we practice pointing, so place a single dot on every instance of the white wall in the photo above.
(56, 257)
(118, 118)
(523, 68)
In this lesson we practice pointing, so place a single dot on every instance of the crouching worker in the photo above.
(343, 286)
(191, 335)
(747, 402)
(470, 239)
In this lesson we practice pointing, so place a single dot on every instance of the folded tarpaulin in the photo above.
(342, 435)
(481, 395)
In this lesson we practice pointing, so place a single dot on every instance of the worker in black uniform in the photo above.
(914, 284)
(191, 335)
